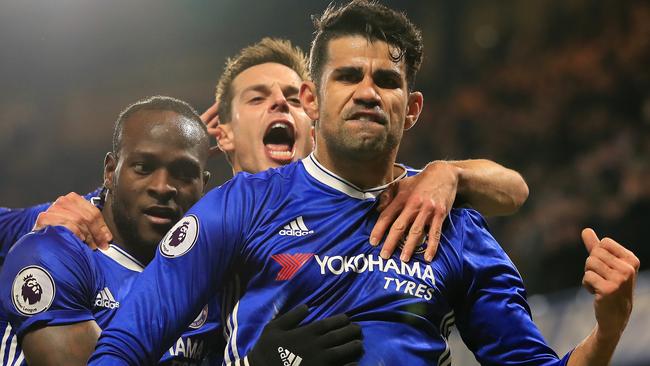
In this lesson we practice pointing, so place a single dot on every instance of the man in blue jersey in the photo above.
(299, 234)
(65, 293)
(260, 60)
(62, 293)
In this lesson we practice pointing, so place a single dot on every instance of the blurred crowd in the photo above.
(569, 107)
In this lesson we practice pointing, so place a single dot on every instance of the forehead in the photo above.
(358, 51)
(266, 74)
(147, 128)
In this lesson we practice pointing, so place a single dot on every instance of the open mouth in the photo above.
(279, 141)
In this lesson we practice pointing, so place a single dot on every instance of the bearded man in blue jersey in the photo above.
(363, 63)
(273, 70)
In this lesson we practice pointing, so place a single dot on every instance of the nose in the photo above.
(161, 186)
(279, 101)
(366, 94)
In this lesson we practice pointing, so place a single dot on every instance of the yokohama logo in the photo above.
(290, 263)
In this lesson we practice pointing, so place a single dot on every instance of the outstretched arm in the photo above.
(419, 204)
(61, 345)
(610, 274)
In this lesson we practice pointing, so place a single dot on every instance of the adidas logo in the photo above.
(289, 358)
(296, 227)
(105, 299)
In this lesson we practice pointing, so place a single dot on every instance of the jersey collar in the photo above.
(321, 174)
(123, 258)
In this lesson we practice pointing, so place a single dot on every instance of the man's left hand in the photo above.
(414, 206)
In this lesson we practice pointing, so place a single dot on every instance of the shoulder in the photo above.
(54, 249)
(48, 242)
(257, 186)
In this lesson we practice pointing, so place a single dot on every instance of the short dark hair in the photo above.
(275, 50)
(373, 21)
(156, 102)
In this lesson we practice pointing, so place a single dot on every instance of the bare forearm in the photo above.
(595, 350)
(61, 345)
(489, 187)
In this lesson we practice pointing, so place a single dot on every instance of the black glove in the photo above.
(328, 342)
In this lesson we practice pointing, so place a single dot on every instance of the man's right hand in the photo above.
(211, 119)
(328, 342)
(610, 274)
(79, 216)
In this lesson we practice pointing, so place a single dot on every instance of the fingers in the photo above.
(389, 209)
(58, 219)
(328, 324)
(416, 233)
(80, 216)
(291, 318)
(346, 353)
(341, 335)
(397, 231)
(591, 281)
(590, 239)
(434, 235)
(610, 268)
(210, 117)
(620, 252)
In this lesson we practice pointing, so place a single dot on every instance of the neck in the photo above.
(363, 173)
(142, 253)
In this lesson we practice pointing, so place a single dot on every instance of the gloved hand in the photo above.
(328, 342)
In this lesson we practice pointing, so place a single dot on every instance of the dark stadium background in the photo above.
(558, 90)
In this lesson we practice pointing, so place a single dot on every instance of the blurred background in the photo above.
(556, 89)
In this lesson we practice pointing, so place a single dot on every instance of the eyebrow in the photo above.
(351, 70)
(139, 154)
(387, 73)
(347, 70)
(264, 88)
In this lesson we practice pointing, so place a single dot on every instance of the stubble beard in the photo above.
(352, 147)
(125, 224)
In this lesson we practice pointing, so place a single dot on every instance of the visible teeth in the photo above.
(278, 124)
(281, 153)
(364, 118)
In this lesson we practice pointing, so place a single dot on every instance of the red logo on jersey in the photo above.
(290, 263)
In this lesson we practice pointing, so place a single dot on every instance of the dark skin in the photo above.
(157, 175)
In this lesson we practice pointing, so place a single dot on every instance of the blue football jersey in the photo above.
(52, 278)
(299, 234)
(16, 222)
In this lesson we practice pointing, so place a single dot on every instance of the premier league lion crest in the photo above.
(178, 235)
(181, 238)
(33, 290)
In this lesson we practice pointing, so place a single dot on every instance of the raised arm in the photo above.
(419, 204)
(494, 319)
(610, 274)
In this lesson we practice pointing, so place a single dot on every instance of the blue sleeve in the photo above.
(14, 223)
(189, 267)
(47, 280)
(493, 317)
